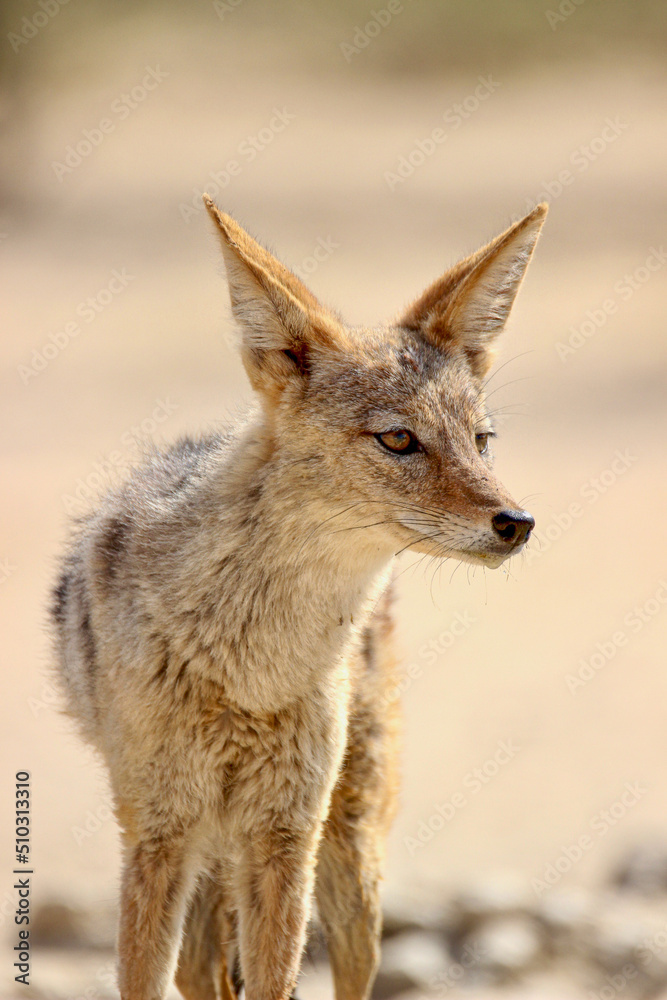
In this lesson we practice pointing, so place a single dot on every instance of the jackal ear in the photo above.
(469, 305)
(281, 322)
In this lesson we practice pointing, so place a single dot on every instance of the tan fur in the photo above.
(224, 630)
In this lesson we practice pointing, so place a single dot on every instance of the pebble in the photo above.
(644, 870)
(411, 959)
(61, 925)
(505, 945)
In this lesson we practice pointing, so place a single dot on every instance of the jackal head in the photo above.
(387, 427)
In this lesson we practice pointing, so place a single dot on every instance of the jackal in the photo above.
(223, 622)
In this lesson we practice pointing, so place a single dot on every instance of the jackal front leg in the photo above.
(273, 893)
(208, 941)
(348, 878)
(154, 892)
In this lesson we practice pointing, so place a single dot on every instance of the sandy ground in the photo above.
(586, 430)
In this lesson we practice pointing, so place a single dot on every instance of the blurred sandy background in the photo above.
(572, 110)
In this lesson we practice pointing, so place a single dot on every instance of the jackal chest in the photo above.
(258, 767)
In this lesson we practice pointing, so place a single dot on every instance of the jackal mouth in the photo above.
(490, 559)
(477, 554)
(476, 557)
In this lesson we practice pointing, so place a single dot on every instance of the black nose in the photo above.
(514, 526)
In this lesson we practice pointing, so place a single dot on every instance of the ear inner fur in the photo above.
(297, 309)
(468, 306)
(279, 318)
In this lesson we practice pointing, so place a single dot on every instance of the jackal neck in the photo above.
(287, 581)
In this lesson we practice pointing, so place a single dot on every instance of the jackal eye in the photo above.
(400, 441)
(482, 441)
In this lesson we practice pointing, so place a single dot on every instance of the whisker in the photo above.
(420, 539)
(509, 361)
(374, 524)
(529, 497)
(514, 381)
(322, 523)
